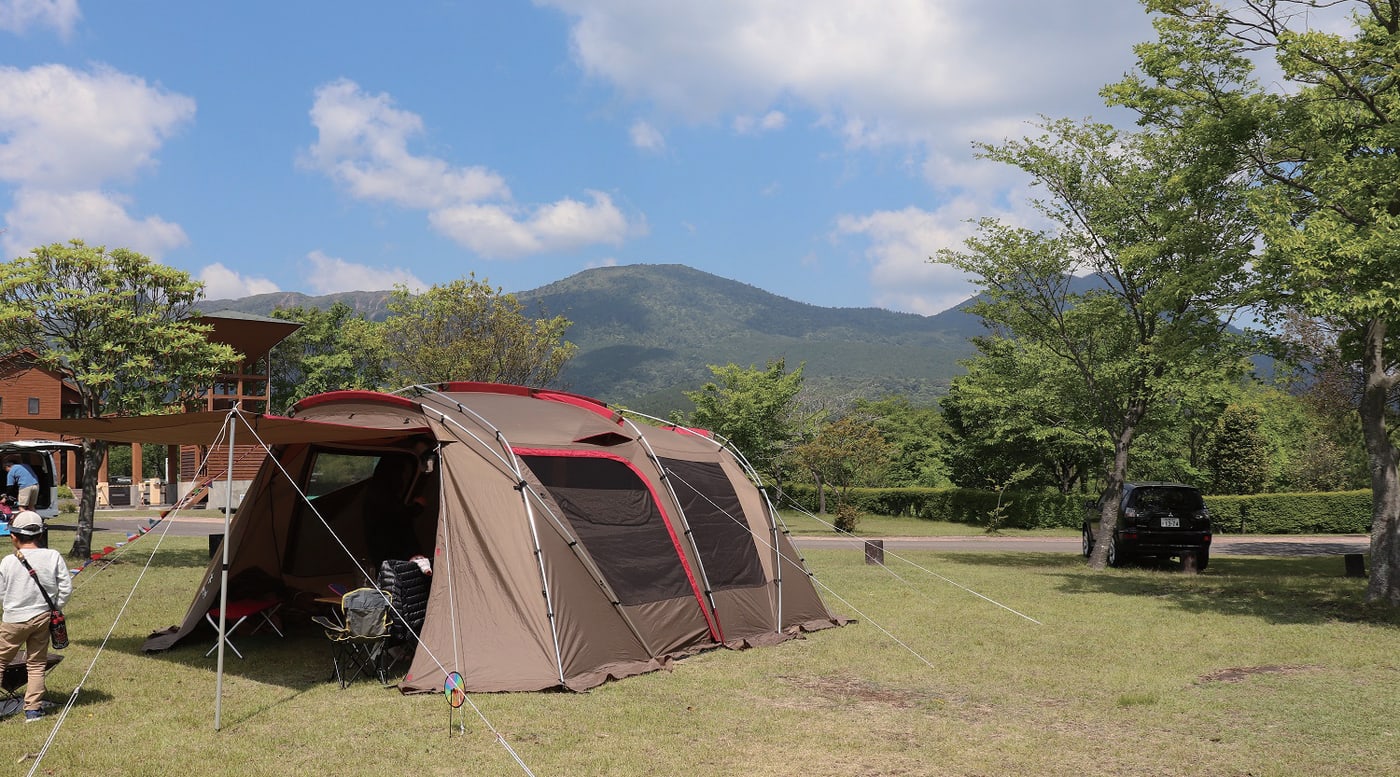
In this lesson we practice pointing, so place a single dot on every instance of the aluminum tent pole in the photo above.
(223, 573)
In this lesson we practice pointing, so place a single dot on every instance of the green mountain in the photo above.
(646, 333)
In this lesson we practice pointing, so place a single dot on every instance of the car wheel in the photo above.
(1086, 542)
(1202, 559)
(1116, 556)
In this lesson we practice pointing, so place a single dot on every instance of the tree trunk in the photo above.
(1381, 455)
(821, 494)
(1113, 492)
(94, 451)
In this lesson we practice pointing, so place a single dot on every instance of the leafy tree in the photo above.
(119, 327)
(845, 453)
(1324, 151)
(1239, 453)
(1019, 409)
(755, 409)
(919, 437)
(469, 331)
(1328, 386)
(1159, 219)
(335, 349)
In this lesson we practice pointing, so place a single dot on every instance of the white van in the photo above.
(38, 454)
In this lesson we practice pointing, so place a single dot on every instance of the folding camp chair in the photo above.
(15, 678)
(358, 641)
(261, 610)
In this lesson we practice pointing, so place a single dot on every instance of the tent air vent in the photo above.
(605, 439)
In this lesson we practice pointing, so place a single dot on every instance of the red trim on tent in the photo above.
(710, 622)
(577, 400)
(586, 403)
(354, 395)
(484, 388)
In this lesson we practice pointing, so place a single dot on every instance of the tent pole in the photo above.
(713, 616)
(223, 573)
(597, 576)
(544, 576)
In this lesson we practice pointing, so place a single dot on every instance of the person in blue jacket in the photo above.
(22, 479)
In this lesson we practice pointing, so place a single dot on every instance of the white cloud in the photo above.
(647, 137)
(609, 262)
(362, 143)
(65, 136)
(768, 122)
(99, 218)
(329, 275)
(18, 16)
(890, 71)
(65, 129)
(900, 244)
(222, 283)
(494, 230)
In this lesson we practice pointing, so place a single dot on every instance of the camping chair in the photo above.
(358, 641)
(240, 610)
(408, 588)
(15, 677)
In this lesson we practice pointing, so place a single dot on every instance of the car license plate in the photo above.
(1171, 522)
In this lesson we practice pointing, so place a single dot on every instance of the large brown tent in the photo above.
(569, 545)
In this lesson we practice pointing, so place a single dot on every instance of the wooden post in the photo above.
(875, 552)
(1356, 564)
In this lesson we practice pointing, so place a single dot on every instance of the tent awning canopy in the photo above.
(204, 428)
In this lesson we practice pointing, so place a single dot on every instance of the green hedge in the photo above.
(1338, 512)
(1025, 510)
(1333, 512)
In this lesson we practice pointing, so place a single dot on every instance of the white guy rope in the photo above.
(814, 578)
(911, 563)
(73, 696)
(500, 738)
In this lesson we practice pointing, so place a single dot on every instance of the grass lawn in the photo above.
(1256, 667)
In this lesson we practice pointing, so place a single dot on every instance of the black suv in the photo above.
(1154, 519)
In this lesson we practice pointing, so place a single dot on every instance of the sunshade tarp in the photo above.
(202, 428)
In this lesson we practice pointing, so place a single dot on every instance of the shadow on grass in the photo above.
(1309, 590)
(300, 661)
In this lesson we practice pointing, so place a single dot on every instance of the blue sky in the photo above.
(818, 149)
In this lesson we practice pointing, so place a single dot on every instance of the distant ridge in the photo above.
(646, 333)
(370, 304)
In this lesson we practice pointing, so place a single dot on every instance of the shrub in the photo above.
(1030, 509)
(1330, 512)
(68, 507)
(64, 492)
(847, 517)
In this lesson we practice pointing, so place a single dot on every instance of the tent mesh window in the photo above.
(618, 522)
(717, 524)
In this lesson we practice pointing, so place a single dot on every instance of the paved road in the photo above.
(212, 521)
(1223, 544)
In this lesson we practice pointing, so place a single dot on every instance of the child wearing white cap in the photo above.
(25, 621)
